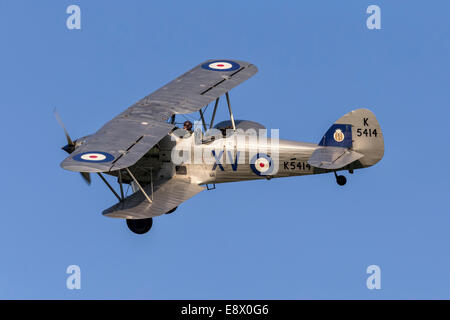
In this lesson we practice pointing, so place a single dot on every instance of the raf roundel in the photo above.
(94, 156)
(261, 164)
(221, 65)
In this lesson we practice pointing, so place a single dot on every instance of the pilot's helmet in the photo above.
(187, 125)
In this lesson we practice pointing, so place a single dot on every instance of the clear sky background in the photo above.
(292, 238)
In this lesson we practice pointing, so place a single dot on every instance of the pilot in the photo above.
(187, 125)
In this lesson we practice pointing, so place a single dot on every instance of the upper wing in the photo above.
(166, 197)
(333, 157)
(121, 142)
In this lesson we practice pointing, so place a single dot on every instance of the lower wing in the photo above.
(165, 197)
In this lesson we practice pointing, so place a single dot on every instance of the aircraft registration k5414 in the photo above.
(166, 165)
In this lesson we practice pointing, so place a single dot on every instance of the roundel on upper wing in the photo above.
(338, 135)
(94, 156)
(261, 164)
(221, 65)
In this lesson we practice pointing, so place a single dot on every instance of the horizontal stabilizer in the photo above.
(333, 157)
(166, 197)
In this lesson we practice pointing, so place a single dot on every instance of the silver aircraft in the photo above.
(165, 165)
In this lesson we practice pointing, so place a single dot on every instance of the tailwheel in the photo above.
(140, 226)
(169, 212)
(341, 180)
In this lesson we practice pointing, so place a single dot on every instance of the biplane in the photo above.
(164, 165)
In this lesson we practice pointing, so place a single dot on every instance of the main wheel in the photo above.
(341, 180)
(140, 226)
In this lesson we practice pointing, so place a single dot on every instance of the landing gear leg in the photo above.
(140, 226)
(341, 180)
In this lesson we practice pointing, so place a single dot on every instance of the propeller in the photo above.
(70, 146)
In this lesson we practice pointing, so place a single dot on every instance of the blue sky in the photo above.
(293, 238)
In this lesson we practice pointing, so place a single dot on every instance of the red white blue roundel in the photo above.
(261, 164)
(94, 156)
(221, 65)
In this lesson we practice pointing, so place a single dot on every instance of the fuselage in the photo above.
(291, 160)
(225, 159)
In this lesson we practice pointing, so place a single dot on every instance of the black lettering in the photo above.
(359, 132)
(365, 122)
(286, 165)
(374, 132)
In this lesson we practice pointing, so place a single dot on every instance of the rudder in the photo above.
(367, 137)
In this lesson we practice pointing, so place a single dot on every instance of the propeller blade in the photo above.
(58, 118)
(70, 145)
(86, 177)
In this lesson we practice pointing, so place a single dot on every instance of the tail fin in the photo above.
(359, 131)
(339, 135)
